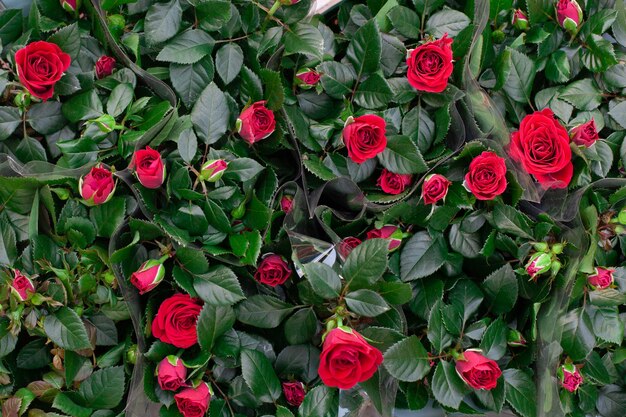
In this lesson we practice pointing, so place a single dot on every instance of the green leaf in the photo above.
(68, 39)
(243, 169)
(618, 113)
(447, 21)
(611, 401)
(187, 145)
(493, 343)
(595, 369)
(321, 401)
(578, 338)
(366, 303)
(8, 246)
(364, 51)
(63, 403)
(66, 329)
(214, 14)
(337, 78)
(323, 279)
(104, 389)
(213, 322)
(83, 106)
(448, 388)
(10, 119)
(304, 39)
(583, 94)
(190, 80)
(10, 25)
(263, 311)
(421, 256)
(259, 375)
(407, 360)
(598, 54)
(539, 11)
(187, 48)
(607, 325)
(437, 332)
(8, 340)
(520, 392)
(406, 22)
(427, 293)
(507, 219)
(109, 216)
(501, 289)
(467, 296)
(44, 117)
(274, 92)
(373, 93)
(366, 263)
(163, 21)
(34, 355)
(218, 287)
(228, 61)
(467, 244)
(301, 327)
(120, 98)
(519, 83)
(210, 114)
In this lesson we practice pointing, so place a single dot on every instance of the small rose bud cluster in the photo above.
(544, 260)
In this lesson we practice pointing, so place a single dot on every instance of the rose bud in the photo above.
(364, 137)
(70, 6)
(346, 245)
(347, 359)
(392, 183)
(391, 233)
(22, 286)
(538, 264)
(98, 186)
(435, 188)
(149, 168)
(132, 353)
(286, 203)
(307, 78)
(194, 402)
(486, 178)
(273, 270)
(213, 170)
(176, 319)
(585, 134)
(603, 278)
(570, 377)
(289, 2)
(294, 393)
(568, 14)
(116, 24)
(478, 371)
(149, 275)
(520, 21)
(256, 122)
(430, 65)
(104, 66)
(171, 373)
(515, 339)
(40, 65)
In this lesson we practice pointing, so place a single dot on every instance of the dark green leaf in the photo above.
(366, 263)
(421, 256)
(104, 389)
(501, 289)
(366, 303)
(259, 375)
(407, 360)
(263, 311)
(218, 287)
(187, 48)
(213, 322)
(65, 328)
(323, 279)
(520, 392)
(364, 51)
(448, 388)
(210, 114)
(228, 62)
(163, 21)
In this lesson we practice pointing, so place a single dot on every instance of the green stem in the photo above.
(270, 13)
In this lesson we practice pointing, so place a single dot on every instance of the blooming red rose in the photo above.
(22, 285)
(541, 146)
(347, 359)
(171, 373)
(585, 134)
(148, 276)
(603, 278)
(256, 122)
(308, 77)
(435, 188)
(97, 186)
(346, 245)
(149, 168)
(430, 65)
(273, 270)
(570, 377)
(486, 178)
(40, 65)
(391, 233)
(393, 183)
(104, 66)
(364, 137)
(294, 393)
(478, 371)
(568, 14)
(175, 322)
(286, 203)
(193, 402)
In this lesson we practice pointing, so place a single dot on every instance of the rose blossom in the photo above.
(256, 122)
(22, 285)
(364, 137)
(478, 371)
(149, 168)
(585, 134)
(346, 245)
(520, 21)
(171, 373)
(148, 276)
(104, 66)
(603, 278)
(294, 393)
(435, 188)
(39, 66)
(393, 183)
(273, 270)
(70, 5)
(175, 322)
(486, 178)
(430, 65)
(213, 170)
(570, 377)
(193, 402)
(98, 186)
(568, 14)
(347, 359)
(392, 233)
(286, 203)
(308, 77)
(539, 264)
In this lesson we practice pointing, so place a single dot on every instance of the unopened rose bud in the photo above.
(104, 66)
(514, 338)
(105, 123)
(22, 100)
(294, 393)
(132, 353)
(70, 6)
(171, 373)
(569, 14)
(520, 21)
(149, 275)
(307, 78)
(539, 263)
(555, 267)
(557, 248)
(286, 203)
(601, 279)
(391, 233)
(498, 36)
(541, 246)
(570, 377)
(346, 245)
(116, 24)
(621, 217)
(213, 170)
(239, 211)
(22, 286)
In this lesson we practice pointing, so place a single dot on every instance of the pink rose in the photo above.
(478, 371)
(213, 170)
(256, 122)
(308, 77)
(171, 373)
(40, 65)
(286, 203)
(346, 245)
(22, 286)
(193, 402)
(570, 377)
(393, 183)
(98, 186)
(364, 137)
(568, 14)
(585, 134)
(391, 233)
(435, 188)
(603, 278)
(148, 276)
(520, 21)
(149, 168)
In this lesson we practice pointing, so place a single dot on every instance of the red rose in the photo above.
(148, 276)
(22, 285)
(104, 66)
(430, 65)
(435, 188)
(97, 186)
(568, 14)
(392, 183)
(392, 233)
(570, 377)
(171, 373)
(520, 20)
(40, 65)
(256, 122)
(193, 402)
(294, 393)
(273, 271)
(364, 137)
(308, 77)
(346, 245)
(149, 167)
(69, 5)
(585, 134)
(486, 178)
(603, 278)
(286, 203)
(347, 359)
(175, 322)
(541, 146)
(477, 371)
